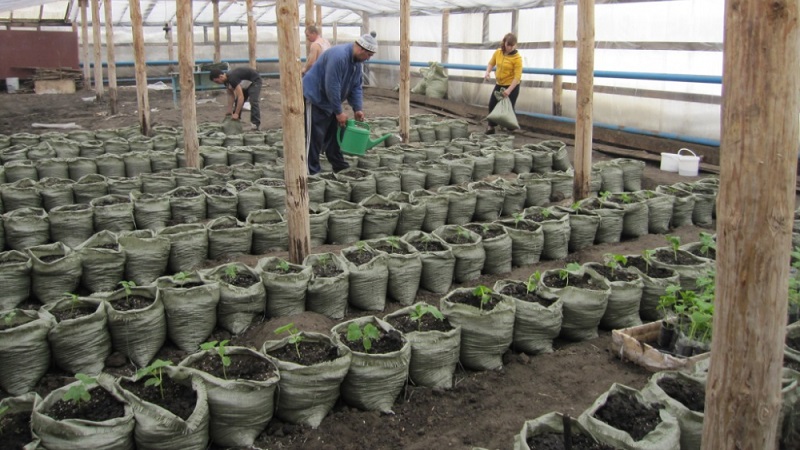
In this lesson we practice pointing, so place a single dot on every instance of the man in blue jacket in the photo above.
(334, 78)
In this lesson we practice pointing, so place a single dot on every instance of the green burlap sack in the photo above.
(537, 320)
(550, 423)
(113, 213)
(26, 228)
(689, 421)
(239, 408)
(467, 247)
(228, 237)
(56, 192)
(556, 230)
(190, 306)
(368, 280)
(137, 322)
(345, 222)
(503, 113)
(583, 308)
(285, 285)
(665, 436)
(438, 261)
(242, 297)
(527, 240)
(485, 333)
(308, 392)
(188, 246)
(437, 207)
(405, 268)
(20, 194)
(270, 231)
(68, 434)
(381, 216)
(80, 344)
(15, 277)
(329, 286)
(102, 261)
(21, 405)
(434, 353)
(146, 256)
(55, 269)
(24, 350)
(374, 380)
(624, 302)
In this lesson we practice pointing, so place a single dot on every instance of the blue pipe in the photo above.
(677, 137)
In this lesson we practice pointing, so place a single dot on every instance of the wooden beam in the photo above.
(87, 70)
(39, 22)
(170, 44)
(217, 52)
(252, 39)
(364, 22)
(445, 35)
(584, 98)
(296, 165)
(754, 225)
(558, 56)
(191, 147)
(112, 64)
(335, 33)
(318, 18)
(309, 20)
(98, 58)
(405, 69)
(515, 22)
(142, 99)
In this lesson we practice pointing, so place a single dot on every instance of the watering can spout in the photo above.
(378, 141)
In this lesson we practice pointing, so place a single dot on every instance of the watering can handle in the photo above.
(339, 135)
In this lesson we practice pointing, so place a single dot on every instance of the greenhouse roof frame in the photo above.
(21, 13)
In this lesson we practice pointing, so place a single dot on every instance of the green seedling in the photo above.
(576, 206)
(394, 242)
(533, 281)
(231, 271)
(518, 217)
(361, 246)
(155, 372)
(181, 277)
(484, 293)
(127, 285)
(546, 213)
(419, 312)
(294, 336)
(463, 233)
(707, 243)
(79, 392)
(605, 195)
(366, 335)
(282, 265)
(647, 256)
(9, 317)
(625, 197)
(221, 351)
(565, 272)
(73, 301)
(615, 261)
(675, 243)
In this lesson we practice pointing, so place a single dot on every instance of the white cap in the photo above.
(368, 43)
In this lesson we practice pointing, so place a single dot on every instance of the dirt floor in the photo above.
(484, 409)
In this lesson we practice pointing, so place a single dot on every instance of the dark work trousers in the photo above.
(321, 129)
(252, 93)
(493, 101)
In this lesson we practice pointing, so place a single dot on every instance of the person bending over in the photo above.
(508, 76)
(242, 84)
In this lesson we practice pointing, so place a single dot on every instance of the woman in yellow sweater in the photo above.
(509, 73)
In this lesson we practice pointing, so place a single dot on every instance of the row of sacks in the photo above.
(591, 221)
(673, 400)
(432, 261)
(233, 411)
(91, 144)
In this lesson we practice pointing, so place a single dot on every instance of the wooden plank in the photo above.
(191, 144)
(558, 56)
(142, 98)
(99, 90)
(54, 86)
(405, 68)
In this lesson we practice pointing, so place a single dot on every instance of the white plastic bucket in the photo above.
(669, 162)
(12, 85)
(688, 166)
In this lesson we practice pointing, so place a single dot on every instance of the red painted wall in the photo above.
(47, 49)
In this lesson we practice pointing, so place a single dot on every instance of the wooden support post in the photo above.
(584, 96)
(252, 39)
(405, 69)
(558, 56)
(756, 203)
(485, 38)
(318, 18)
(186, 68)
(142, 99)
(98, 57)
(87, 66)
(294, 150)
(335, 40)
(364, 23)
(112, 65)
(217, 52)
(445, 35)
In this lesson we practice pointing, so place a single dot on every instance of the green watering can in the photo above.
(356, 138)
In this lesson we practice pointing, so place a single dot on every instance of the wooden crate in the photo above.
(634, 344)
(66, 86)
